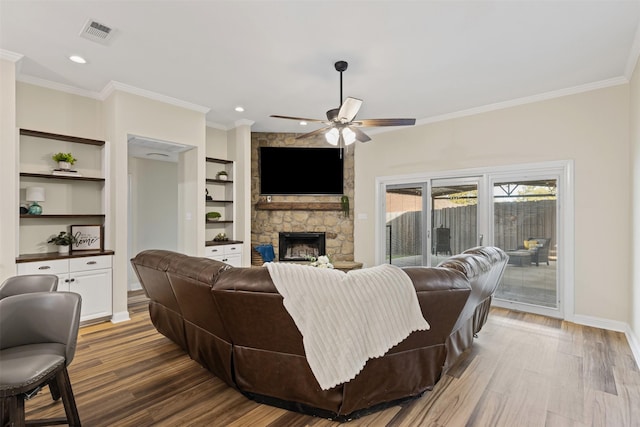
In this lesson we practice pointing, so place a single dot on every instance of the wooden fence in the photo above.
(514, 222)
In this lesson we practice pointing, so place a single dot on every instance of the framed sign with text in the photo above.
(87, 237)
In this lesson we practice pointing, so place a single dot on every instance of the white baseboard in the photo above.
(612, 325)
(119, 317)
(634, 343)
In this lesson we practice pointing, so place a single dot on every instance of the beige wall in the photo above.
(592, 128)
(8, 170)
(635, 197)
(127, 114)
(49, 110)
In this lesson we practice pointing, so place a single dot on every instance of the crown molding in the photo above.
(217, 126)
(114, 85)
(7, 55)
(616, 81)
(243, 122)
(58, 86)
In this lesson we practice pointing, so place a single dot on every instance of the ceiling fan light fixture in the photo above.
(348, 136)
(332, 136)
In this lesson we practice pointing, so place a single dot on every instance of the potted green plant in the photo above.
(65, 160)
(213, 216)
(63, 240)
(222, 175)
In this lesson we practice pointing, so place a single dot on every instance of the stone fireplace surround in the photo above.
(301, 213)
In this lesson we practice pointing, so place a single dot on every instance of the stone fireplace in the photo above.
(301, 213)
(299, 246)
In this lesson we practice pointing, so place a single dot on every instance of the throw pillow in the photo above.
(530, 244)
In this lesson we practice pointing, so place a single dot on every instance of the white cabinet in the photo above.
(230, 254)
(90, 277)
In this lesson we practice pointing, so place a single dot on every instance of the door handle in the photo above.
(481, 239)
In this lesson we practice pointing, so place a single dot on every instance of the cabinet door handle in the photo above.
(91, 262)
(44, 267)
(66, 280)
(72, 280)
(232, 249)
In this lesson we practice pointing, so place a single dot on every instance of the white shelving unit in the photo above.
(220, 199)
(69, 200)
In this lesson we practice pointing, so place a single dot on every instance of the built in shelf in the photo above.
(50, 256)
(219, 222)
(222, 242)
(221, 161)
(218, 181)
(299, 206)
(219, 201)
(55, 136)
(50, 176)
(49, 216)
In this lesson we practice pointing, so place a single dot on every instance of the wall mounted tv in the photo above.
(297, 170)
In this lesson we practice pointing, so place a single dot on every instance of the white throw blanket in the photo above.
(347, 318)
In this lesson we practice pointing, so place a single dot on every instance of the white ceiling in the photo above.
(421, 59)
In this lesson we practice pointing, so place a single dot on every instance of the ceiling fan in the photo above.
(341, 128)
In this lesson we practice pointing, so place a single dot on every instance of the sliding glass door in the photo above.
(518, 211)
(405, 223)
(526, 228)
(454, 217)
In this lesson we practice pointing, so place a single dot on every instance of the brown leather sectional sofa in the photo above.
(233, 322)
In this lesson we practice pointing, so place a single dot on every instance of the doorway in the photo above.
(153, 200)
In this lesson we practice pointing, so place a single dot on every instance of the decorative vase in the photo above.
(63, 249)
(64, 165)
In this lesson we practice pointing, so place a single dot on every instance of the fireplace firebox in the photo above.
(300, 246)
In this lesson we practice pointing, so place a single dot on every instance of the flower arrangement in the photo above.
(322, 261)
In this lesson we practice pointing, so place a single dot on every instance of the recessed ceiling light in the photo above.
(303, 123)
(78, 59)
(239, 109)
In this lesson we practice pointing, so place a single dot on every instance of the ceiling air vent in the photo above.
(96, 32)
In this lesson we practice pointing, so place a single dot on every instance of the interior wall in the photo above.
(635, 197)
(8, 169)
(126, 114)
(154, 207)
(592, 128)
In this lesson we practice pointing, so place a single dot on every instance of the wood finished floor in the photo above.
(523, 370)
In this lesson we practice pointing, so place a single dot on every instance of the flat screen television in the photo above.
(297, 170)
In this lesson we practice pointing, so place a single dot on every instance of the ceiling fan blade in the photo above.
(360, 136)
(297, 118)
(385, 122)
(315, 132)
(349, 109)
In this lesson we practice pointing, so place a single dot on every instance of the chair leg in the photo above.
(12, 413)
(70, 408)
(54, 390)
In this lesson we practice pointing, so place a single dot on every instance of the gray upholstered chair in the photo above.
(17, 285)
(38, 335)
